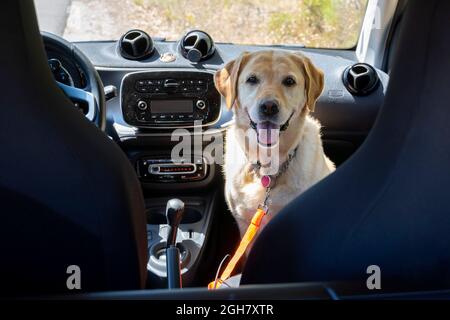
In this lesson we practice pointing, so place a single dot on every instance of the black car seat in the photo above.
(389, 205)
(68, 194)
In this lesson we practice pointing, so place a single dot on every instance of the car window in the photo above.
(312, 23)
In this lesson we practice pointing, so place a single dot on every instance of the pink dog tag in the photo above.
(265, 181)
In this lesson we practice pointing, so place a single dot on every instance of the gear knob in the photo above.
(174, 215)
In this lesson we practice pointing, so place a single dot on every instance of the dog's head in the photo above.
(270, 91)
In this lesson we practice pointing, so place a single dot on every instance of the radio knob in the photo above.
(142, 105)
(200, 104)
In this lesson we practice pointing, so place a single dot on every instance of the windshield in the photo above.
(312, 23)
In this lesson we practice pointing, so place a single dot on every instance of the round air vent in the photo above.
(197, 45)
(360, 79)
(136, 45)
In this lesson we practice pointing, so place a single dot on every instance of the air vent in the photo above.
(197, 45)
(360, 79)
(136, 45)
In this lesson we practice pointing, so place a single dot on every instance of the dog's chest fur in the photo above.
(243, 189)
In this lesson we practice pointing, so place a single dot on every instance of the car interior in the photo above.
(87, 176)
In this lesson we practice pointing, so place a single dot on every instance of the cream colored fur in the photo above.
(243, 189)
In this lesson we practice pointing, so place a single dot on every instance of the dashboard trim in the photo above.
(79, 94)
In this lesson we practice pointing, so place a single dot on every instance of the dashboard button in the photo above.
(140, 116)
(55, 65)
(142, 89)
(200, 104)
(142, 105)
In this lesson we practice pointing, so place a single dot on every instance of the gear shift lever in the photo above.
(174, 215)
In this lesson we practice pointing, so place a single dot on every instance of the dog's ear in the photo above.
(314, 81)
(226, 79)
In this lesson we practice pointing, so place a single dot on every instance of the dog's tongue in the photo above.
(268, 133)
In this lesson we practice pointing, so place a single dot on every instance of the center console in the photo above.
(155, 103)
(191, 238)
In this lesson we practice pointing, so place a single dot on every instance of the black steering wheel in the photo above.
(91, 97)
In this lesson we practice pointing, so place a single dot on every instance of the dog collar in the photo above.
(291, 155)
(268, 182)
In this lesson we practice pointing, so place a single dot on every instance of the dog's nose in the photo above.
(269, 108)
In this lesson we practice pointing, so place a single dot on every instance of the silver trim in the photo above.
(169, 70)
(144, 106)
(204, 163)
(159, 173)
(204, 104)
(129, 132)
(82, 95)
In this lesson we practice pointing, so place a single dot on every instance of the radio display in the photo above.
(172, 106)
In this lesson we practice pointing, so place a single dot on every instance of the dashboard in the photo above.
(164, 85)
(346, 115)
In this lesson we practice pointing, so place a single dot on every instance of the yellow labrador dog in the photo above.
(271, 94)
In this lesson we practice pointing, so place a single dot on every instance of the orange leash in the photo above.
(246, 240)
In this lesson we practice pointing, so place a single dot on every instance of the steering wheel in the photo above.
(91, 98)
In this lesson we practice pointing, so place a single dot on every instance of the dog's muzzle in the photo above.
(284, 127)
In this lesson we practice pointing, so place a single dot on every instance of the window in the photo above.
(312, 23)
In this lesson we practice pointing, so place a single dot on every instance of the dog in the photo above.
(271, 94)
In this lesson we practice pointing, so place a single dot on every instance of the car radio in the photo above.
(169, 99)
(166, 170)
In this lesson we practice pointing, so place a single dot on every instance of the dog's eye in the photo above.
(252, 79)
(289, 81)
